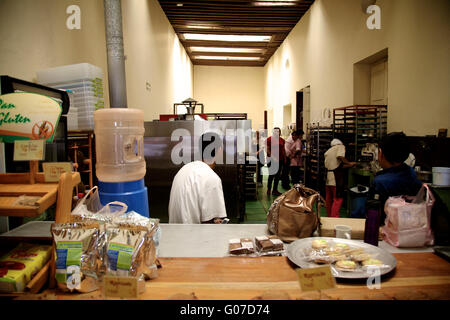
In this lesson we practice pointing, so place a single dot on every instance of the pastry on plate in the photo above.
(322, 260)
(360, 257)
(341, 247)
(346, 264)
(339, 257)
(320, 244)
(372, 262)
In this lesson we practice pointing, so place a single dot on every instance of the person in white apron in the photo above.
(335, 163)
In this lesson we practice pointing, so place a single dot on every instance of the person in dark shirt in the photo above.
(396, 178)
(278, 159)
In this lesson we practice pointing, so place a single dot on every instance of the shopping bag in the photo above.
(407, 222)
(295, 214)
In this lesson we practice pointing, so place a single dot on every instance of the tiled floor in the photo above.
(256, 210)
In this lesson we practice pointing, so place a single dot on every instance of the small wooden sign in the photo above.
(53, 170)
(123, 287)
(25, 150)
(319, 278)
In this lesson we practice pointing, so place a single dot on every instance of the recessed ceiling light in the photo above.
(226, 58)
(217, 49)
(200, 27)
(274, 3)
(179, 4)
(226, 37)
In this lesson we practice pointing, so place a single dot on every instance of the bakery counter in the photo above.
(186, 240)
(211, 240)
(196, 265)
(417, 276)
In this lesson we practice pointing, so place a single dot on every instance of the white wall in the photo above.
(231, 90)
(320, 51)
(322, 48)
(154, 55)
(34, 36)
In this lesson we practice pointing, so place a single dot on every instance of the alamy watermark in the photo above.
(232, 147)
(374, 20)
(374, 280)
(74, 20)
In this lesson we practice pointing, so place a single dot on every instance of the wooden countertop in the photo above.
(417, 276)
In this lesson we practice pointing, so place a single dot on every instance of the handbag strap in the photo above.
(319, 201)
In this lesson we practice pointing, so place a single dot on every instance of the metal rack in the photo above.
(317, 143)
(357, 125)
(250, 182)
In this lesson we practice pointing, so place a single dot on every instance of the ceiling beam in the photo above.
(235, 17)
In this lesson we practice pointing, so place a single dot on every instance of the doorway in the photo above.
(303, 112)
(287, 120)
(370, 80)
(379, 83)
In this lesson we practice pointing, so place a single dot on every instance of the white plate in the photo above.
(297, 253)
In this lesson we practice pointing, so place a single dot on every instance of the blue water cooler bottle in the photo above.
(120, 166)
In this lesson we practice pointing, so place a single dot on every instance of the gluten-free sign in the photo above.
(28, 116)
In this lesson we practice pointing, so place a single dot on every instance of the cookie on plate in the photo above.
(320, 244)
(339, 247)
(372, 262)
(322, 259)
(360, 257)
(339, 257)
(346, 264)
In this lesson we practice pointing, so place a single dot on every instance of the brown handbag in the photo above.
(292, 216)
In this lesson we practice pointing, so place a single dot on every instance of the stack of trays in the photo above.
(72, 115)
(85, 81)
(87, 97)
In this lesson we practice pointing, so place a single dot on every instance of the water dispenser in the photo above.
(120, 167)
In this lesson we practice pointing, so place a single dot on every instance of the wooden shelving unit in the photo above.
(13, 185)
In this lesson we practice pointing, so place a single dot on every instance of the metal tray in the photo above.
(296, 252)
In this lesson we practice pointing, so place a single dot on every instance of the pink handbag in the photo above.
(408, 218)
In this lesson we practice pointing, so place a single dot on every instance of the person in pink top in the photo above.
(293, 148)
